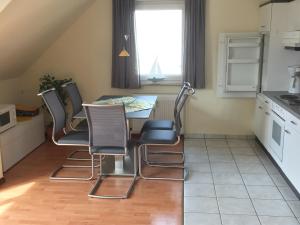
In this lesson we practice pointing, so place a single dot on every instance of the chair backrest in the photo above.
(107, 125)
(72, 91)
(56, 109)
(186, 94)
(184, 86)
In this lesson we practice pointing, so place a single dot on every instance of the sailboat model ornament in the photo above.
(155, 73)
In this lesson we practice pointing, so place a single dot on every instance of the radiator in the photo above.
(164, 109)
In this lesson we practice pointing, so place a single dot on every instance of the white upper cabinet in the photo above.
(265, 13)
(293, 16)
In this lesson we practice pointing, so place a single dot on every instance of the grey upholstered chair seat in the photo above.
(82, 126)
(75, 138)
(158, 125)
(158, 137)
(111, 150)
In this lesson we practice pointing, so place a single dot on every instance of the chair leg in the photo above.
(55, 172)
(140, 148)
(94, 189)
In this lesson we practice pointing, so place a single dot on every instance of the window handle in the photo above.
(267, 102)
(288, 132)
(267, 113)
(260, 107)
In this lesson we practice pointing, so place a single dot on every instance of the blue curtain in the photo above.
(124, 69)
(194, 43)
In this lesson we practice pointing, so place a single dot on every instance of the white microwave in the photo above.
(7, 117)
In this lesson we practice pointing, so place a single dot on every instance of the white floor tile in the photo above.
(227, 178)
(201, 219)
(195, 177)
(246, 159)
(199, 167)
(272, 208)
(196, 158)
(236, 206)
(295, 206)
(216, 143)
(231, 191)
(224, 168)
(257, 179)
(288, 194)
(199, 190)
(268, 220)
(264, 192)
(239, 220)
(201, 205)
(220, 158)
(252, 168)
(279, 180)
(243, 151)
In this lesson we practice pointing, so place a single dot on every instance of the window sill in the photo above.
(161, 83)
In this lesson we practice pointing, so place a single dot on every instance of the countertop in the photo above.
(274, 96)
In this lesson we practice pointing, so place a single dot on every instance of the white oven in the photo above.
(7, 117)
(277, 131)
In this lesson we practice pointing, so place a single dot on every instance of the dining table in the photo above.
(136, 107)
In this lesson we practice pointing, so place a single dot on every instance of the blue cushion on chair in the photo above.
(158, 137)
(158, 125)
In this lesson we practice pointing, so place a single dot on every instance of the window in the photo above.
(159, 38)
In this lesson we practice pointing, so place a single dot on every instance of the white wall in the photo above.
(83, 52)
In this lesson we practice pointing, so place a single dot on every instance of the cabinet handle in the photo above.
(267, 113)
(260, 107)
(286, 131)
(293, 122)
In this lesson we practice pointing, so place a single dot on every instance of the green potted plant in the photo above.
(49, 81)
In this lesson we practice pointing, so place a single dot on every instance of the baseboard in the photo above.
(279, 169)
(2, 180)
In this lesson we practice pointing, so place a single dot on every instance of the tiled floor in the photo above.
(233, 182)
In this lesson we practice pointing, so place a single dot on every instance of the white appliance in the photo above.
(294, 72)
(7, 117)
(278, 118)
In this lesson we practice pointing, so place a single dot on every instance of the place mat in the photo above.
(131, 104)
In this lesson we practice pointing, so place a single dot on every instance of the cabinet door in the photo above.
(291, 153)
(259, 121)
(265, 13)
(293, 16)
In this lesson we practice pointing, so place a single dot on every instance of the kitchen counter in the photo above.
(274, 96)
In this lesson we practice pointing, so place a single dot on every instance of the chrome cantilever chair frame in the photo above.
(143, 145)
(53, 175)
(76, 107)
(186, 85)
(96, 186)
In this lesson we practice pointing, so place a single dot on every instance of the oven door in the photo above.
(277, 135)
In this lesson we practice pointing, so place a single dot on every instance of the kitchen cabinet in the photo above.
(265, 14)
(293, 15)
(291, 165)
(262, 120)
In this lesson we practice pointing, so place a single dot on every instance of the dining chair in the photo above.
(73, 93)
(109, 136)
(163, 138)
(166, 125)
(61, 137)
(76, 100)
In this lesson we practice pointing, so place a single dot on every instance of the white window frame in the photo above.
(163, 5)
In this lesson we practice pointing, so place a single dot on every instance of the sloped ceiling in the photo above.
(28, 27)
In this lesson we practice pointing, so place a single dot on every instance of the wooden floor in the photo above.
(29, 197)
